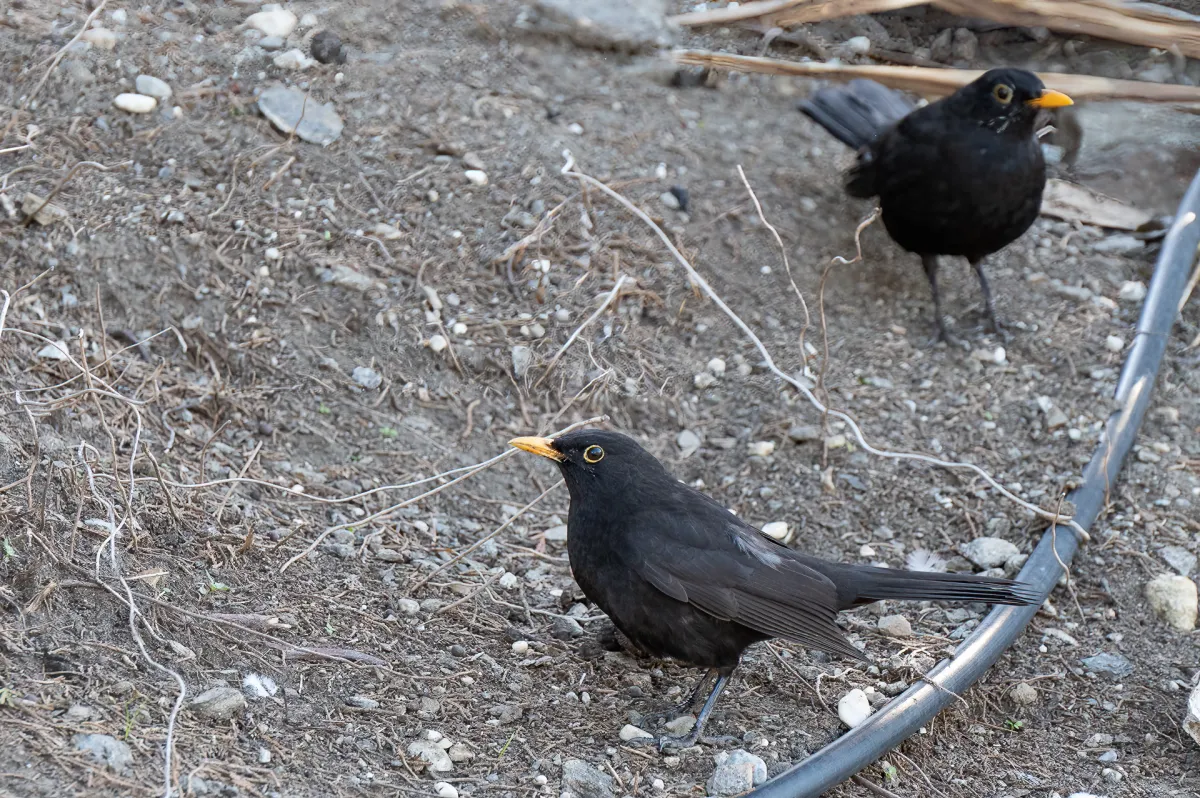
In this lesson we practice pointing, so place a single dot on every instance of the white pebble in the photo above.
(854, 708)
(135, 103)
(459, 329)
(704, 380)
(445, 790)
(575, 128)
(294, 60)
(509, 580)
(669, 200)
(995, 356)
(761, 448)
(716, 366)
(279, 22)
(866, 551)
(658, 784)
(437, 343)
(273, 253)
(100, 37)
(1132, 291)
(630, 733)
(777, 530)
(308, 21)
(520, 647)
(859, 44)
(476, 177)
(1114, 343)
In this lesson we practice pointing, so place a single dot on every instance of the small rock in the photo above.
(760, 448)
(987, 552)
(362, 702)
(1191, 721)
(432, 754)
(522, 359)
(669, 200)
(584, 781)
(110, 751)
(152, 87)
(895, 626)
(704, 380)
(1056, 419)
(509, 581)
(629, 733)
(858, 45)
(293, 111)
(279, 22)
(1121, 244)
(1098, 740)
(778, 530)
(135, 103)
(1173, 597)
(716, 366)
(477, 177)
(565, 628)
(1024, 694)
(1113, 665)
(997, 356)
(271, 43)
(1114, 343)
(366, 377)
(854, 708)
(737, 771)
(556, 534)
(219, 703)
(459, 752)
(1108, 756)
(965, 46)
(438, 343)
(805, 433)
(688, 442)
(293, 60)
(1179, 558)
(309, 20)
(1133, 291)
(44, 213)
(506, 713)
(408, 606)
(445, 790)
(102, 38)
(327, 48)
(623, 25)
(520, 648)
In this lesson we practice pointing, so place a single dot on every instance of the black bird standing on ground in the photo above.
(961, 176)
(683, 577)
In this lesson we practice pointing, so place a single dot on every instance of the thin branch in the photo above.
(608, 300)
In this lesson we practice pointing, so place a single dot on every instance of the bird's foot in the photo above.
(999, 330)
(944, 336)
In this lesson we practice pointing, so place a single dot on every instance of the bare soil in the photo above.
(261, 258)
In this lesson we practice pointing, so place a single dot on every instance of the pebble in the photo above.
(1120, 244)
(988, 552)
(859, 45)
(110, 751)
(669, 200)
(522, 359)
(1191, 721)
(135, 103)
(366, 377)
(327, 48)
(438, 343)
(704, 380)
(459, 752)
(584, 781)
(629, 733)
(716, 366)
(445, 790)
(1173, 598)
(293, 60)
(688, 442)
(521, 647)
(556, 533)
(1024, 694)
(1179, 558)
(152, 87)
(1114, 665)
(433, 754)
(895, 626)
(737, 771)
(760, 448)
(1114, 343)
(408, 606)
(778, 530)
(273, 253)
(271, 43)
(278, 22)
(291, 110)
(476, 177)
(219, 703)
(854, 708)
(100, 37)
(309, 20)
(509, 581)
(1132, 291)
(565, 628)
(805, 433)
(997, 356)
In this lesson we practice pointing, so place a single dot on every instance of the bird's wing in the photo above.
(731, 571)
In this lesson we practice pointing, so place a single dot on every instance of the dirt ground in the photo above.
(337, 324)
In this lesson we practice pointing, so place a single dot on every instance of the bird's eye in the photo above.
(593, 454)
(1003, 93)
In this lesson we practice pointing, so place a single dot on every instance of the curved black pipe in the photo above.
(908, 712)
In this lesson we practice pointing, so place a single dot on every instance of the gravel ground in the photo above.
(337, 323)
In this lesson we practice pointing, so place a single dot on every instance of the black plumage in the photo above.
(962, 176)
(683, 577)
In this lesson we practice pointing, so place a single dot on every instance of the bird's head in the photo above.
(595, 462)
(1009, 99)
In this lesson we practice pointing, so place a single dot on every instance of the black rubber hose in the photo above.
(908, 712)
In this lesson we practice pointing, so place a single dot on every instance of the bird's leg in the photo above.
(690, 739)
(930, 262)
(977, 265)
(674, 711)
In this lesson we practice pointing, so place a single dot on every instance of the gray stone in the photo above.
(1121, 244)
(506, 713)
(367, 378)
(557, 534)
(566, 629)
(895, 626)
(624, 25)
(219, 703)
(1024, 694)
(1110, 664)
(152, 87)
(1179, 558)
(584, 781)
(989, 552)
(522, 359)
(113, 753)
(688, 441)
(432, 754)
(293, 111)
(737, 772)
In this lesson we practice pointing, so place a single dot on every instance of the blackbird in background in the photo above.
(683, 577)
(961, 176)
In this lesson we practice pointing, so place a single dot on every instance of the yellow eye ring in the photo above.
(593, 454)
(1003, 93)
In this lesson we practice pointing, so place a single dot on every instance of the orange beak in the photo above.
(1051, 99)
(539, 446)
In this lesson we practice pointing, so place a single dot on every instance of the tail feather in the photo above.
(857, 585)
(857, 112)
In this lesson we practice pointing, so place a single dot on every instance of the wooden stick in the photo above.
(930, 82)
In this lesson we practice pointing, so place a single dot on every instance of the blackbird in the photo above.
(684, 578)
(961, 176)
